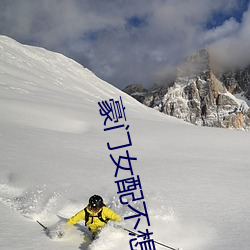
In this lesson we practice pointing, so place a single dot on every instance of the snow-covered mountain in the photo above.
(54, 155)
(201, 95)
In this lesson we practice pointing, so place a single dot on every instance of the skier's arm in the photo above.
(110, 214)
(77, 217)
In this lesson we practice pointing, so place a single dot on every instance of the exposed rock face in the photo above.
(137, 91)
(237, 81)
(199, 97)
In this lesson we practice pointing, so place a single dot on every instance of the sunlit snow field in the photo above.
(54, 155)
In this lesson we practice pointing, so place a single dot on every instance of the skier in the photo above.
(95, 214)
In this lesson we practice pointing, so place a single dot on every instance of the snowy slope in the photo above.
(54, 155)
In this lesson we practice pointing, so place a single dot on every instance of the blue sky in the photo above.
(132, 41)
(218, 17)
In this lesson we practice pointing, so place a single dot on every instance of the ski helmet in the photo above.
(95, 202)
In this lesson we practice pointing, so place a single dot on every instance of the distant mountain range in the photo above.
(202, 94)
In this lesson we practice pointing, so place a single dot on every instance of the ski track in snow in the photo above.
(37, 205)
(32, 204)
(40, 204)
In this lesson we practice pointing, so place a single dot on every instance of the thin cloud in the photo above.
(233, 50)
(228, 28)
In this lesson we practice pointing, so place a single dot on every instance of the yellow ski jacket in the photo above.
(94, 223)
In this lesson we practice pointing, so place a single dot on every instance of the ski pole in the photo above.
(157, 242)
(45, 228)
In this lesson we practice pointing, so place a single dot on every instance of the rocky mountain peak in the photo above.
(200, 96)
(196, 64)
